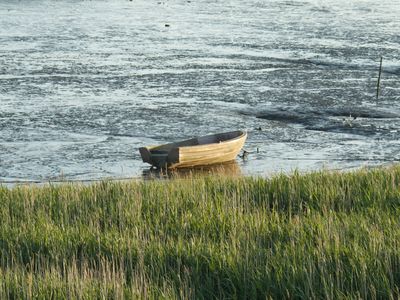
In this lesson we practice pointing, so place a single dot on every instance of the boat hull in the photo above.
(207, 150)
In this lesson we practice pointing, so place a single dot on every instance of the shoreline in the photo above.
(231, 169)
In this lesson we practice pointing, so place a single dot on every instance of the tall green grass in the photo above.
(320, 235)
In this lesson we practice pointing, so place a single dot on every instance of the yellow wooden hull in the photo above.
(205, 150)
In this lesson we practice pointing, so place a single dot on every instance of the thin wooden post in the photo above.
(379, 80)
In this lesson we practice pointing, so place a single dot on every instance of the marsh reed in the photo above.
(319, 235)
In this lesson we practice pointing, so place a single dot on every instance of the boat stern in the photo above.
(160, 158)
(145, 153)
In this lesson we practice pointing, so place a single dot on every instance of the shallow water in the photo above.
(83, 84)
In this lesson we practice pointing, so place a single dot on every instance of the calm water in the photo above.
(83, 84)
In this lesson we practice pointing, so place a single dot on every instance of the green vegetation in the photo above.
(319, 235)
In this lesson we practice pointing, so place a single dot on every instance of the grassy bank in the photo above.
(321, 235)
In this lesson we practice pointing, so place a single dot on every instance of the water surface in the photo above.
(83, 84)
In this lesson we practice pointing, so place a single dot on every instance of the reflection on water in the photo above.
(229, 169)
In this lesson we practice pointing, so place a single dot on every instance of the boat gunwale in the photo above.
(242, 135)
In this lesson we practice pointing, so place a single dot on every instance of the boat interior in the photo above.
(208, 139)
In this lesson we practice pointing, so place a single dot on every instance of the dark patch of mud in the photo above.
(359, 121)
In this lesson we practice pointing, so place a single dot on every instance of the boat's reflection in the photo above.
(230, 169)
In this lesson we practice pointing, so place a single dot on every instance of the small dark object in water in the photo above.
(167, 25)
(258, 150)
(259, 128)
(244, 155)
(379, 80)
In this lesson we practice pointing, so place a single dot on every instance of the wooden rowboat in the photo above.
(204, 150)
